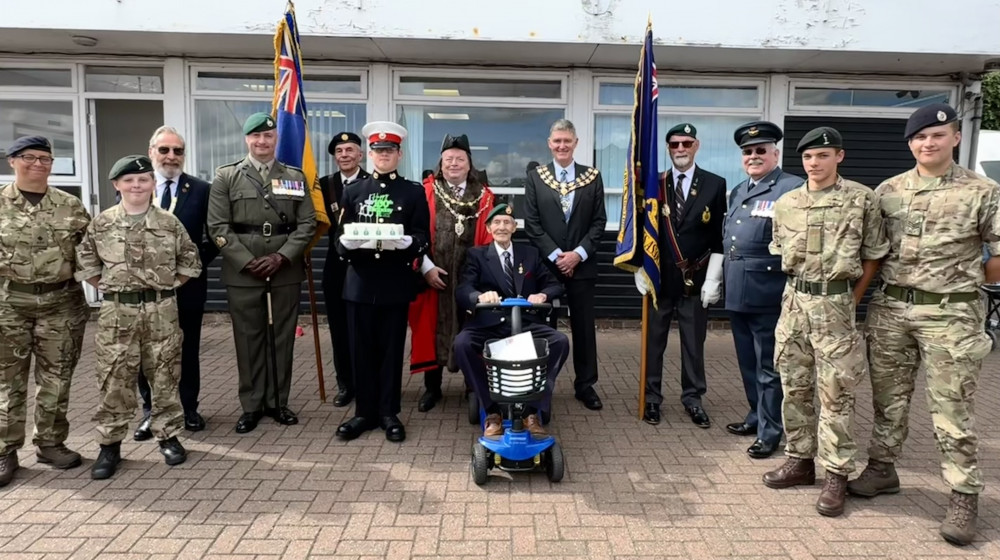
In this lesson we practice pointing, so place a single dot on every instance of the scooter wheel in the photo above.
(473, 408)
(554, 463)
(480, 464)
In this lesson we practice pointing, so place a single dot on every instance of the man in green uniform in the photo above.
(43, 311)
(829, 236)
(138, 255)
(261, 217)
(929, 313)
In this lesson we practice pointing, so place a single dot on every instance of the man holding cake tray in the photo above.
(385, 224)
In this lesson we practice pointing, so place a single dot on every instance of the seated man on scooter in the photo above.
(498, 271)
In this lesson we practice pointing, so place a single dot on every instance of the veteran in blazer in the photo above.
(564, 218)
(261, 217)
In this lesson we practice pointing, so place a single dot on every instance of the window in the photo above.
(51, 119)
(36, 77)
(255, 82)
(124, 79)
(905, 97)
(487, 87)
(622, 94)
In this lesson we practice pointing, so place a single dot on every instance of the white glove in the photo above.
(397, 244)
(640, 283)
(350, 244)
(711, 290)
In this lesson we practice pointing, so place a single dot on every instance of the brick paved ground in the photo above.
(631, 490)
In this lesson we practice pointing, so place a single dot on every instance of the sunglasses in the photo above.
(759, 150)
(685, 143)
(164, 150)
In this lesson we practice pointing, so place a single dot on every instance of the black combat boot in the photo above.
(107, 462)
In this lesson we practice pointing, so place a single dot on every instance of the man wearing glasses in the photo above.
(695, 208)
(754, 281)
(187, 198)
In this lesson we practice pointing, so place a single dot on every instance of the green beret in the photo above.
(129, 165)
(934, 114)
(822, 137)
(501, 208)
(258, 122)
(684, 129)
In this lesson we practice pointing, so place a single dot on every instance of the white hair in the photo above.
(164, 130)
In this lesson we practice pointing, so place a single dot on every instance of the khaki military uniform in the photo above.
(929, 313)
(251, 216)
(822, 238)
(138, 259)
(43, 312)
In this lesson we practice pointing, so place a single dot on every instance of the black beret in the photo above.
(685, 129)
(822, 137)
(129, 165)
(930, 115)
(258, 122)
(343, 138)
(757, 132)
(501, 208)
(461, 142)
(29, 143)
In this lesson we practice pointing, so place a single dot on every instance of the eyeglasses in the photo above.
(164, 150)
(685, 143)
(31, 158)
(759, 150)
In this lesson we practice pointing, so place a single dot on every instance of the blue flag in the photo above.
(638, 249)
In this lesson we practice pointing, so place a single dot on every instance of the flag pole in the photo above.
(315, 329)
(642, 356)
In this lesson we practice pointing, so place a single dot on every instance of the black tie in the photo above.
(508, 271)
(679, 193)
(167, 197)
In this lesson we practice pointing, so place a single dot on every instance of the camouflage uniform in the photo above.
(822, 237)
(929, 312)
(138, 260)
(38, 316)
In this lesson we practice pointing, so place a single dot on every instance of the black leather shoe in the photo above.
(354, 427)
(590, 399)
(107, 461)
(652, 414)
(343, 398)
(428, 400)
(144, 430)
(741, 429)
(284, 416)
(394, 430)
(698, 416)
(761, 449)
(193, 422)
(247, 422)
(173, 452)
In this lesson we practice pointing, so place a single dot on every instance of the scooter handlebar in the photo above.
(514, 302)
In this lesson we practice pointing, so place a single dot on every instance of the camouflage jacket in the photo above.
(136, 255)
(37, 242)
(824, 236)
(936, 230)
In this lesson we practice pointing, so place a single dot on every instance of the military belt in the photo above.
(831, 288)
(920, 297)
(267, 229)
(141, 296)
(39, 288)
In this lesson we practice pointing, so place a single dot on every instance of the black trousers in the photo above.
(582, 320)
(336, 316)
(190, 312)
(753, 335)
(692, 321)
(378, 335)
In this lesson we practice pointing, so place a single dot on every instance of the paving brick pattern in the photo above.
(630, 491)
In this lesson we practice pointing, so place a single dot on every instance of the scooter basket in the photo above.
(517, 381)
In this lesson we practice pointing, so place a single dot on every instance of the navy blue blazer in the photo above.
(192, 210)
(483, 272)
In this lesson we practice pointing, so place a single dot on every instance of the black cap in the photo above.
(934, 114)
(461, 142)
(822, 137)
(129, 165)
(757, 132)
(29, 143)
(685, 129)
(343, 138)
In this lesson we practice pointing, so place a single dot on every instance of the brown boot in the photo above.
(960, 526)
(494, 426)
(795, 472)
(59, 456)
(831, 498)
(8, 466)
(535, 426)
(878, 478)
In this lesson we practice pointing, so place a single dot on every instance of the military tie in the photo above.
(167, 198)
(564, 198)
(263, 171)
(508, 271)
(679, 194)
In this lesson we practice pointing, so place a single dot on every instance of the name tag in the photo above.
(763, 209)
(288, 188)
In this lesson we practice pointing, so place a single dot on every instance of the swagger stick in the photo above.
(315, 323)
(272, 348)
(642, 355)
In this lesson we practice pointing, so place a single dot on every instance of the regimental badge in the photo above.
(186, 187)
(753, 131)
(344, 137)
(270, 122)
(687, 129)
(941, 116)
(220, 242)
(381, 136)
(826, 141)
(706, 216)
(508, 210)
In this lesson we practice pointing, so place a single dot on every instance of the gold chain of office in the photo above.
(441, 191)
(565, 188)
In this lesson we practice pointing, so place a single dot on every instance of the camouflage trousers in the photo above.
(949, 341)
(818, 346)
(49, 327)
(128, 336)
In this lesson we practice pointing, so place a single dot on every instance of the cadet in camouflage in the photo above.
(137, 254)
(829, 235)
(929, 313)
(43, 311)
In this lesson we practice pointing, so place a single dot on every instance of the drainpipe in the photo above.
(974, 93)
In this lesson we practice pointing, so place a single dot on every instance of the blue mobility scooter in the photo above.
(512, 384)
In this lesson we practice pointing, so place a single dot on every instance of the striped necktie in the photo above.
(679, 194)
(508, 272)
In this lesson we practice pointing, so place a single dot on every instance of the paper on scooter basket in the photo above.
(515, 348)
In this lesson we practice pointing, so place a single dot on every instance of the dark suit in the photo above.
(754, 282)
(483, 273)
(548, 230)
(699, 234)
(334, 269)
(191, 209)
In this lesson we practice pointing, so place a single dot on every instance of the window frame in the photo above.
(74, 87)
(794, 109)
